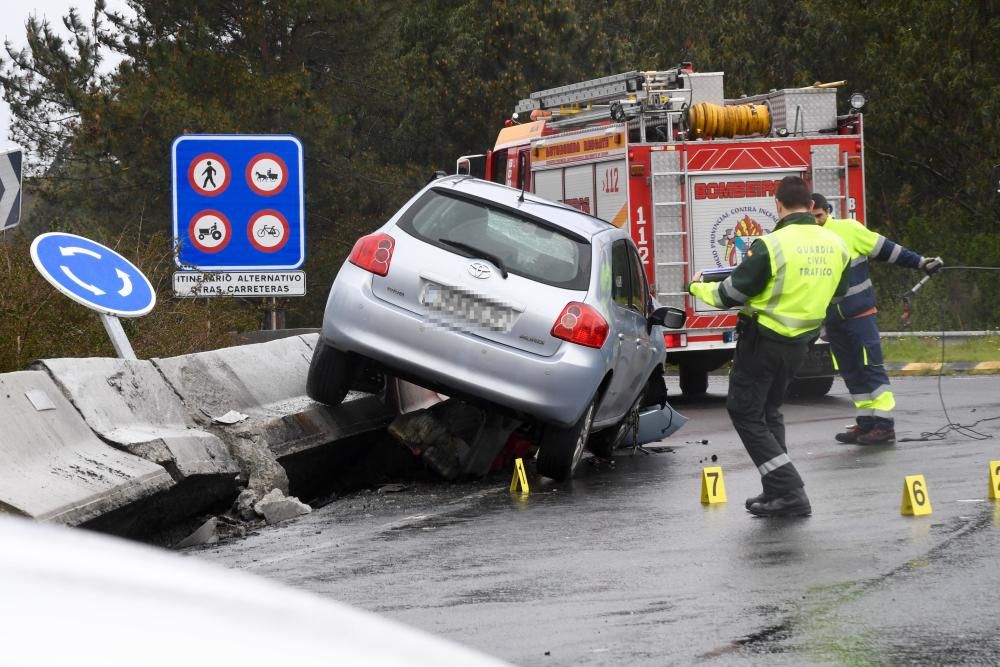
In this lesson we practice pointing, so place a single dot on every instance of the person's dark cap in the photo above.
(819, 201)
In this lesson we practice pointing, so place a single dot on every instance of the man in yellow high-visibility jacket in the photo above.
(852, 329)
(785, 283)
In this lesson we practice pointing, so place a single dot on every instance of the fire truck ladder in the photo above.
(829, 177)
(576, 101)
(669, 177)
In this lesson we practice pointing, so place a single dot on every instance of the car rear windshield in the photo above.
(527, 246)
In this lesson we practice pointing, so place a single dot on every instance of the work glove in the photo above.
(930, 265)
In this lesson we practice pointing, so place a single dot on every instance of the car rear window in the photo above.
(527, 246)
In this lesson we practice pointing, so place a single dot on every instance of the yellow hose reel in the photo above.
(711, 120)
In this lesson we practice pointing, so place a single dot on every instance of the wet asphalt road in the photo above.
(625, 566)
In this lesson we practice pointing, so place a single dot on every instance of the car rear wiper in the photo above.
(478, 253)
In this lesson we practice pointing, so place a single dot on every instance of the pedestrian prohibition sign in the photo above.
(238, 202)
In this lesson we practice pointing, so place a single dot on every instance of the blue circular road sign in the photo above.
(92, 274)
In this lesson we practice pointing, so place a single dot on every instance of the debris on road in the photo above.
(230, 418)
(244, 505)
(276, 506)
(454, 438)
(207, 533)
(392, 488)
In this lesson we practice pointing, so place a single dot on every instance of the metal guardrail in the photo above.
(937, 334)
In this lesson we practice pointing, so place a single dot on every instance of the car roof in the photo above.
(77, 586)
(560, 214)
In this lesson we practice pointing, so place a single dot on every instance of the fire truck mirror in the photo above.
(522, 163)
(471, 165)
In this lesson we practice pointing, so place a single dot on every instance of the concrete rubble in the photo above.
(129, 446)
(276, 507)
(207, 533)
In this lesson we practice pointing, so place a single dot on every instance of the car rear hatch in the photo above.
(486, 270)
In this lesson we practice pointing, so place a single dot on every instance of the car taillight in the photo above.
(581, 324)
(373, 253)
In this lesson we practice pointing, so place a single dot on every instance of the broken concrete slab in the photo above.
(259, 468)
(130, 405)
(276, 506)
(53, 467)
(267, 382)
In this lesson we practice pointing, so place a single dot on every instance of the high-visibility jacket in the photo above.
(863, 244)
(786, 280)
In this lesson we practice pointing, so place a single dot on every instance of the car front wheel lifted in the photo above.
(331, 374)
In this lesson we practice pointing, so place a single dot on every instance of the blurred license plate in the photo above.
(468, 307)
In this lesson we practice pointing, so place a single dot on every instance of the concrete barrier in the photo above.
(267, 383)
(53, 467)
(131, 406)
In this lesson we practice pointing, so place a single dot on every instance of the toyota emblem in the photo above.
(480, 270)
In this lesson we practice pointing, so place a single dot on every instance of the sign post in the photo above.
(96, 277)
(10, 187)
(238, 215)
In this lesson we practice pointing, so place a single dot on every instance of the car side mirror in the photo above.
(672, 318)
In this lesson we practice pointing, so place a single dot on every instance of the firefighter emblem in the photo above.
(737, 240)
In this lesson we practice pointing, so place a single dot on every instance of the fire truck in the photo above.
(691, 174)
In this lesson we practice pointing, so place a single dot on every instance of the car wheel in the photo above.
(605, 442)
(562, 448)
(331, 374)
(693, 380)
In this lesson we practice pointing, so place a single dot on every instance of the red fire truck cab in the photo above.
(691, 174)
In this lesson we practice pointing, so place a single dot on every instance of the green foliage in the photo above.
(382, 93)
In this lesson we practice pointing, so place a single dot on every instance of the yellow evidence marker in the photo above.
(995, 480)
(520, 478)
(916, 501)
(713, 487)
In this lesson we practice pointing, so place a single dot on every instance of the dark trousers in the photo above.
(762, 369)
(857, 350)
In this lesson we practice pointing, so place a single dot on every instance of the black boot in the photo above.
(793, 503)
(850, 435)
(762, 498)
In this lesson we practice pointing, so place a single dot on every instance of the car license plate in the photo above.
(467, 307)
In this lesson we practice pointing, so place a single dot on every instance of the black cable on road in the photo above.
(966, 430)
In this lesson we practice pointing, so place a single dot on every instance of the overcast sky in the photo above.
(15, 15)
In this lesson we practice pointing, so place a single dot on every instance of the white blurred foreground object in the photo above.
(70, 597)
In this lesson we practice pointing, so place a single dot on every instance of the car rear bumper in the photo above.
(554, 389)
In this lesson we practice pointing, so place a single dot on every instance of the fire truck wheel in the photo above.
(562, 448)
(694, 381)
(331, 373)
(809, 387)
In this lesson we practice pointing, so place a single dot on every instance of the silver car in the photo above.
(487, 293)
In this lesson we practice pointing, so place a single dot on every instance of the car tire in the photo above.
(693, 380)
(331, 374)
(562, 448)
(604, 442)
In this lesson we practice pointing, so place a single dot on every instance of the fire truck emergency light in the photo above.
(857, 101)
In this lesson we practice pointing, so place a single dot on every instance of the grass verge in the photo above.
(973, 350)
